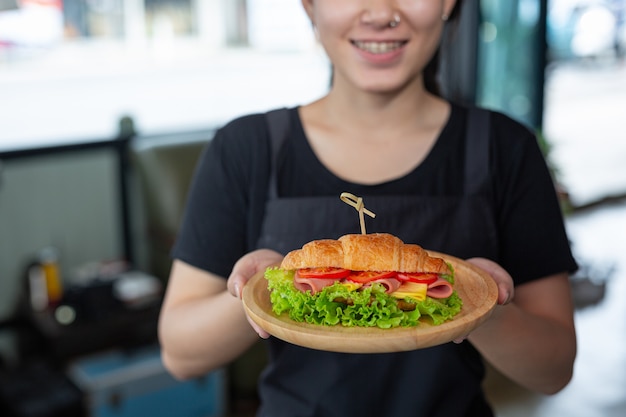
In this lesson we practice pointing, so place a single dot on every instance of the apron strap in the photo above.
(278, 127)
(476, 150)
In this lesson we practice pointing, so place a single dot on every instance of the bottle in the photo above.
(49, 261)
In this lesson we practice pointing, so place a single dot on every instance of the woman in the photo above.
(382, 133)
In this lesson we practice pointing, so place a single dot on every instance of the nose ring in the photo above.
(395, 22)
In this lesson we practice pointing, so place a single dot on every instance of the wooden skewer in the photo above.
(357, 203)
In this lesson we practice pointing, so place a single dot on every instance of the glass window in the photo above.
(558, 66)
(511, 58)
(585, 98)
(70, 70)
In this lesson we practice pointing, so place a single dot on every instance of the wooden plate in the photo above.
(475, 287)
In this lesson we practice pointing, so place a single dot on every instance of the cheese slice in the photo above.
(351, 286)
(414, 290)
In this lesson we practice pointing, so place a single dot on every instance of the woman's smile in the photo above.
(378, 47)
(374, 47)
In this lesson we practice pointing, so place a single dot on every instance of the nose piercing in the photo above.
(396, 21)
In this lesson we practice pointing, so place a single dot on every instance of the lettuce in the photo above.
(369, 307)
(449, 277)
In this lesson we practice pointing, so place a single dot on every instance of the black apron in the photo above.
(440, 381)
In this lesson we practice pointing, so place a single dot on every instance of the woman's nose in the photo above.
(380, 13)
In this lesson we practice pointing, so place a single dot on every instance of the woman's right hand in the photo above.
(245, 268)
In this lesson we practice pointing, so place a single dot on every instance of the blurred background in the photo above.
(105, 104)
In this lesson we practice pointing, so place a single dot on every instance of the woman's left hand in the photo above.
(503, 280)
(530, 338)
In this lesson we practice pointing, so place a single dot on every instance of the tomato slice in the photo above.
(324, 273)
(368, 276)
(418, 277)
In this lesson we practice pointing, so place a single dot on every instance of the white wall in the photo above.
(279, 25)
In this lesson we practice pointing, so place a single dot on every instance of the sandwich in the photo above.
(368, 280)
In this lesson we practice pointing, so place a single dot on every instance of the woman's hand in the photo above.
(503, 280)
(531, 337)
(245, 268)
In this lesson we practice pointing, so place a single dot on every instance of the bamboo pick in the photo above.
(357, 203)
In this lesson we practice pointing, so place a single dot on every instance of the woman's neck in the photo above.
(369, 138)
(412, 106)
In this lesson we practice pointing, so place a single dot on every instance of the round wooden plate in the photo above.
(475, 287)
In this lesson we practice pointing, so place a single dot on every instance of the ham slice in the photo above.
(390, 284)
(315, 285)
(440, 289)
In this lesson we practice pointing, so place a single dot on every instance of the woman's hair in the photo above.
(431, 71)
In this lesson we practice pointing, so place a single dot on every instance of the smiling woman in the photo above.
(379, 38)
(451, 178)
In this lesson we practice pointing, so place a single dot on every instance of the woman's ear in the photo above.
(308, 8)
(448, 7)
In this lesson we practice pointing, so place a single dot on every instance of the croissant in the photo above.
(365, 252)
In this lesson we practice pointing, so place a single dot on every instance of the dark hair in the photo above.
(431, 71)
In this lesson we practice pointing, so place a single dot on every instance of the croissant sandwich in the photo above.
(373, 280)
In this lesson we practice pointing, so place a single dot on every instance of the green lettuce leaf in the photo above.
(368, 307)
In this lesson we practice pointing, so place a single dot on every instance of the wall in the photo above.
(69, 201)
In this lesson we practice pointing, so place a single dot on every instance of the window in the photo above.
(171, 65)
(512, 58)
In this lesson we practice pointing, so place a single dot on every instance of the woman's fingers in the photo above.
(503, 280)
(247, 266)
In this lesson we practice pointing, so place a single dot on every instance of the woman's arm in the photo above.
(202, 325)
(532, 339)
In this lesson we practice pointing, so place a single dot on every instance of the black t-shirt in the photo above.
(227, 199)
(223, 220)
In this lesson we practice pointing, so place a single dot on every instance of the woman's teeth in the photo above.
(378, 47)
